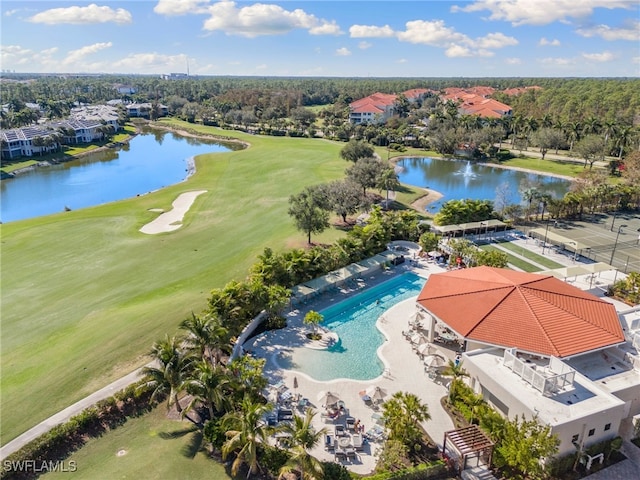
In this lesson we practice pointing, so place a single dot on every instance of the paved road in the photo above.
(64, 415)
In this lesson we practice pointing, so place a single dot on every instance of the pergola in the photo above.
(473, 227)
(468, 442)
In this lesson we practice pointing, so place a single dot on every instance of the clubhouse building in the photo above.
(539, 347)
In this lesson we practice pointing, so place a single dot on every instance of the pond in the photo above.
(150, 161)
(460, 179)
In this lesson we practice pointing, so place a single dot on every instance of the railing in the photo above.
(557, 374)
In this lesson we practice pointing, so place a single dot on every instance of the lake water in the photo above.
(460, 179)
(151, 160)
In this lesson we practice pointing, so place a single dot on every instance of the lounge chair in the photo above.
(340, 455)
(356, 441)
(351, 454)
(350, 422)
(339, 430)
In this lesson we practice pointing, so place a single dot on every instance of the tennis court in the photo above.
(603, 238)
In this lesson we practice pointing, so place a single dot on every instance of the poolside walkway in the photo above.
(404, 369)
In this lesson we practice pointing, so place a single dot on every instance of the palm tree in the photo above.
(205, 337)
(574, 130)
(457, 373)
(402, 413)
(591, 125)
(246, 431)
(388, 179)
(303, 438)
(169, 378)
(208, 385)
(623, 138)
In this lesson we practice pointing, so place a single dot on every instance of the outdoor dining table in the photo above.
(344, 441)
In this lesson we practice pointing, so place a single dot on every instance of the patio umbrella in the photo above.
(295, 384)
(425, 349)
(418, 339)
(376, 393)
(434, 361)
(328, 398)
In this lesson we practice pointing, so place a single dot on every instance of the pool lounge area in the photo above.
(400, 369)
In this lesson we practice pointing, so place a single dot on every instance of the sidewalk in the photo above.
(535, 152)
(64, 415)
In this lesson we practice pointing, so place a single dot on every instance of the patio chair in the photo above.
(340, 430)
(350, 422)
(329, 442)
(357, 441)
(351, 454)
(303, 403)
(340, 455)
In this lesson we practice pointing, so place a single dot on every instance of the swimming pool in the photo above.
(354, 356)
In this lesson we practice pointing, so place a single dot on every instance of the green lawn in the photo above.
(569, 169)
(155, 448)
(542, 260)
(513, 260)
(85, 294)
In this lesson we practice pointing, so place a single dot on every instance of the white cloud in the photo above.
(513, 61)
(326, 28)
(262, 66)
(635, 60)
(458, 51)
(371, 31)
(631, 33)
(261, 19)
(8, 13)
(76, 55)
(82, 15)
(558, 61)
(180, 7)
(550, 43)
(541, 12)
(15, 55)
(599, 57)
(495, 40)
(434, 33)
(363, 45)
(402, 60)
(150, 63)
(343, 52)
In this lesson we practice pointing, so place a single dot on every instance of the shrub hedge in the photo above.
(62, 440)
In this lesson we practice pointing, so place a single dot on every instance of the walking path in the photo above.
(64, 415)
(532, 152)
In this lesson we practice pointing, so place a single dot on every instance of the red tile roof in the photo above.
(531, 312)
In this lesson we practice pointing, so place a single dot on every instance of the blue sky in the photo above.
(477, 38)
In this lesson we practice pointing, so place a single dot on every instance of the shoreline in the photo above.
(70, 158)
(187, 133)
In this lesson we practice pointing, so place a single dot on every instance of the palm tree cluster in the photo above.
(224, 400)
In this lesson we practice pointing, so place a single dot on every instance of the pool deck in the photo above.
(404, 369)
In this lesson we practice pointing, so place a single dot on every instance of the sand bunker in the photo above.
(172, 220)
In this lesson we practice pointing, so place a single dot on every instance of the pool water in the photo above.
(354, 356)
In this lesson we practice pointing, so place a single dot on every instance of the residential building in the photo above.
(80, 131)
(375, 109)
(106, 114)
(475, 101)
(27, 142)
(143, 110)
